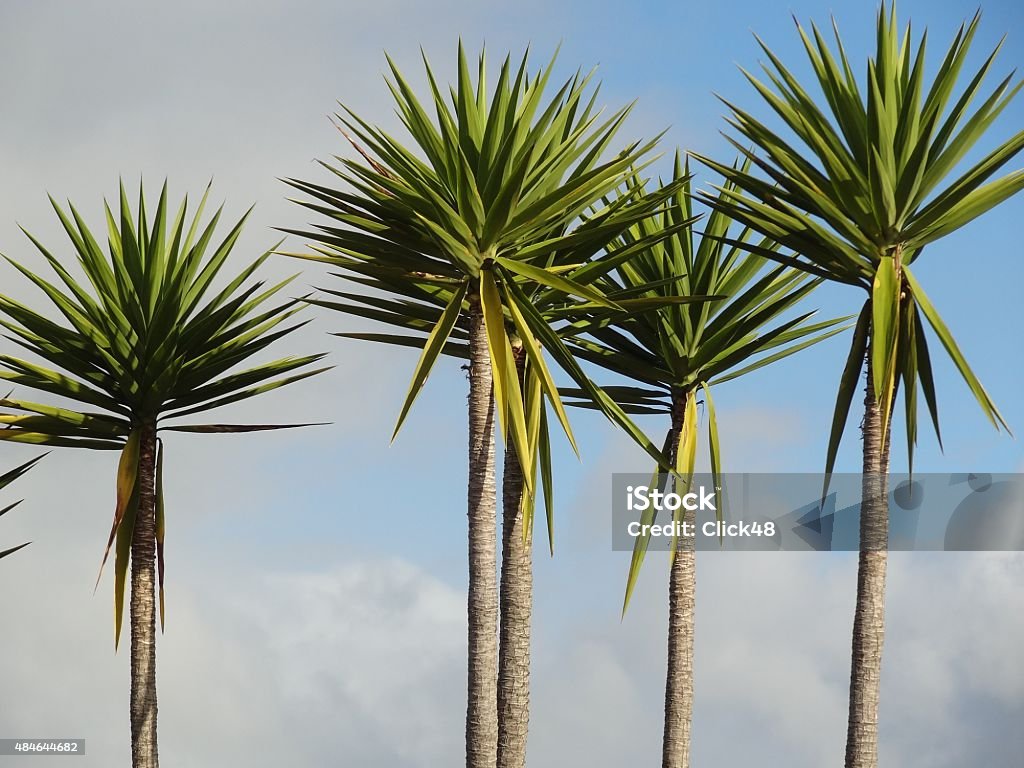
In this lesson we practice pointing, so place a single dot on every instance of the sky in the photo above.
(316, 579)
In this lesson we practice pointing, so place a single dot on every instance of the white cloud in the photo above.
(363, 660)
(358, 664)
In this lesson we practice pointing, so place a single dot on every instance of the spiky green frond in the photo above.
(679, 344)
(483, 210)
(872, 174)
(146, 335)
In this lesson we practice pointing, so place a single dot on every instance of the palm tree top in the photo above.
(489, 174)
(864, 186)
(146, 336)
(678, 344)
(867, 173)
(483, 213)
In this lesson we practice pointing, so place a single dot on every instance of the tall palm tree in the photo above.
(146, 339)
(676, 353)
(518, 497)
(858, 192)
(452, 237)
(6, 479)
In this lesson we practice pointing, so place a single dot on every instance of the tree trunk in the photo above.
(681, 604)
(481, 705)
(516, 611)
(869, 617)
(143, 609)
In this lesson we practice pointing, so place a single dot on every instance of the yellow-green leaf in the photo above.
(127, 469)
(125, 531)
(494, 324)
(541, 371)
(885, 312)
(431, 350)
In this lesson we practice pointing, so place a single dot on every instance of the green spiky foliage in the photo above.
(6, 479)
(679, 350)
(484, 212)
(146, 338)
(871, 175)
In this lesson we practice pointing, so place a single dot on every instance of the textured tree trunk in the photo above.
(481, 705)
(516, 611)
(143, 609)
(869, 617)
(682, 587)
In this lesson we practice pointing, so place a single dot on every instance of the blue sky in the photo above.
(316, 579)
(689, 54)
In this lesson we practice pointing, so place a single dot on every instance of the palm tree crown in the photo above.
(864, 189)
(485, 213)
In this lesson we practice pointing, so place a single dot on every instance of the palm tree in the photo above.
(676, 353)
(6, 479)
(452, 238)
(518, 495)
(858, 193)
(146, 339)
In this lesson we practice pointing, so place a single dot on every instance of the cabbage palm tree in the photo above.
(146, 339)
(676, 354)
(518, 498)
(858, 188)
(453, 237)
(6, 479)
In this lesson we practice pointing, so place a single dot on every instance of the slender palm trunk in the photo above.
(682, 587)
(869, 617)
(516, 602)
(143, 609)
(481, 706)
